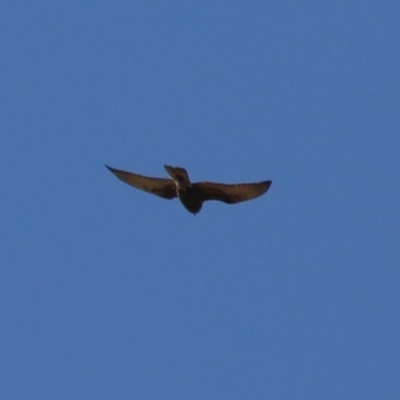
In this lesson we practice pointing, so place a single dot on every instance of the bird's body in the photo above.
(191, 199)
(192, 195)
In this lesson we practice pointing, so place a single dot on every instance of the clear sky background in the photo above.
(107, 292)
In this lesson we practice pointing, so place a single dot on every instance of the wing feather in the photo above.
(164, 188)
(232, 194)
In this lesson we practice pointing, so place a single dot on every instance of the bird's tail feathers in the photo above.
(178, 175)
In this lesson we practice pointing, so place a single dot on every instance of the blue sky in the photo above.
(109, 292)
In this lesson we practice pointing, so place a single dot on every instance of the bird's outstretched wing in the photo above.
(232, 194)
(164, 188)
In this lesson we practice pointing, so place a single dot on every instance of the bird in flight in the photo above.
(192, 195)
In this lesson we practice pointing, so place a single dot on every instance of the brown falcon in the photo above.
(192, 195)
